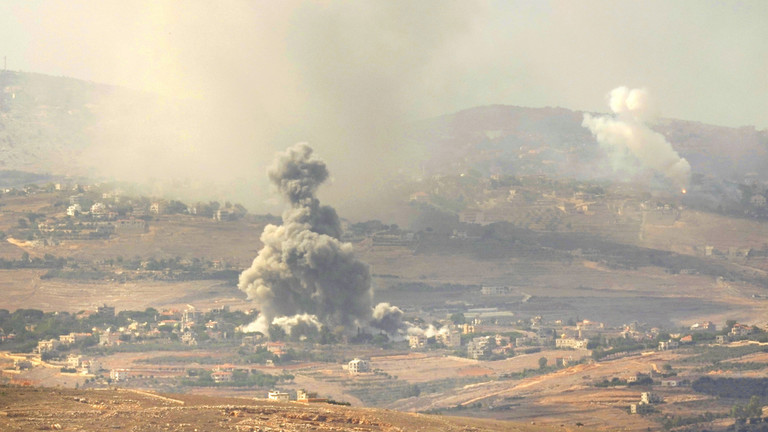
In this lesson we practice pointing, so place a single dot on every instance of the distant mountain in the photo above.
(47, 123)
(551, 141)
(59, 126)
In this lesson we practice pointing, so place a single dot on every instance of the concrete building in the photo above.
(668, 345)
(479, 347)
(302, 396)
(571, 343)
(739, 330)
(189, 338)
(74, 210)
(47, 345)
(277, 395)
(494, 290)
(649, 398)
(90, 367)
(109, 338)
(74, 361)
(221, 376)
(451, 338)
(357, 366)
(72, 338)
(708, 326)
(417, 341)
(276, 348)
(118, 375)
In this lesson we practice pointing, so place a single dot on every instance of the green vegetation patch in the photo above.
(716, 354)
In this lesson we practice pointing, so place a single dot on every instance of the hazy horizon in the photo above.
(248, 79)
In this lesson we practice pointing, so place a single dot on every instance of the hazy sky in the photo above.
(704, 60)
(262, 75)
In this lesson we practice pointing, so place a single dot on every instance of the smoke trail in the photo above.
(625, 133)
(304, 274)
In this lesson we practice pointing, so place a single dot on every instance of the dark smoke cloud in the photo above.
(297, 175)
(304, 273)
(388, 318)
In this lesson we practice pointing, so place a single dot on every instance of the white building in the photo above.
(74, 361)
(221, 376)
(417, 341)
(479, 347)
(451, 338)
(571, 343)
(74, 210)
(47, 345)
(98, 209)
(118, 375)
(90, 367)
(667, 345)
(494, 290)
(357, 366)
(278, 396)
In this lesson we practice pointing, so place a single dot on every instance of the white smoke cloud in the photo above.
(304, 323)
(430, 331)
(304, 275)
(629, 141)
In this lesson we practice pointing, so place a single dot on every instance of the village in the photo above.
(208, 352)
(494, 345)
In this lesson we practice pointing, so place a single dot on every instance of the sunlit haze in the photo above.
(241, 80)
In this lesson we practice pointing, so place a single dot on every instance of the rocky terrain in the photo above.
(27, 408)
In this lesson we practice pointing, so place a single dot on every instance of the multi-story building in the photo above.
(357, 366)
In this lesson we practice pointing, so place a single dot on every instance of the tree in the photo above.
(458, 318)
(542, 363)
(753, 409)
(276, 333)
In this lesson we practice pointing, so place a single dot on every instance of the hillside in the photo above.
(110, 409)
(503, 139)
(45, 121)
(57, 125)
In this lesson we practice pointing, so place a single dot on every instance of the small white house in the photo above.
(278, 396)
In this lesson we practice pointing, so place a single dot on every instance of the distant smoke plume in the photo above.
(626, 134)
(305, 275)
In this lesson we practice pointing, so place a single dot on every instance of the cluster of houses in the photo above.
(44, 346)
(83, 365)
(181, 323)
(448, 336)
(576, 336)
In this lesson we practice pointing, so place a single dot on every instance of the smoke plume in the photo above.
(430, 331)
(304, 275)
(303, 324)
(628, 139)
(388, 318)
